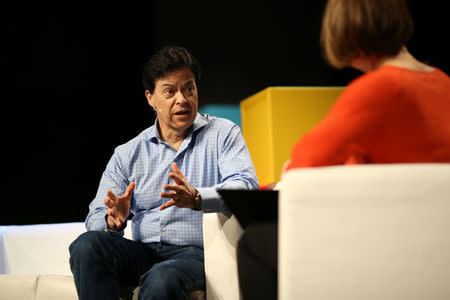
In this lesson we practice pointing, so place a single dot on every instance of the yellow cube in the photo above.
(275, 118)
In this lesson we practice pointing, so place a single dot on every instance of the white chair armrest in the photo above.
(220, 237)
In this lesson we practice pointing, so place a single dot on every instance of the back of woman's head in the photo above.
(371, 27)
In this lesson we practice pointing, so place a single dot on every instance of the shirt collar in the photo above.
(199, 122)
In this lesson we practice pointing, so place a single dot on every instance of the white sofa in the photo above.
(34, 260)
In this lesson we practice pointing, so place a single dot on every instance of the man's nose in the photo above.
(180, 99)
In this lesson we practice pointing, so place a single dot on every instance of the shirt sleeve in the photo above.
(114, 179)
(236, 170)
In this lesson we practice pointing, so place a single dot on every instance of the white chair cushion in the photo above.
(14, 287)
(56, 287)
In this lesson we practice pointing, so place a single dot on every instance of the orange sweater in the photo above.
(389, 115)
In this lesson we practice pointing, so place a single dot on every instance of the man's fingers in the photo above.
(109, 202)
(172, 187)
(168, 195)
(111, 212)
(169, 203)
(179, 179)
(127, 193)
(111, 195)
(177, 175)
(130, 189)
(176, 169)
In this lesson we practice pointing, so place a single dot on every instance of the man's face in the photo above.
(175, 100)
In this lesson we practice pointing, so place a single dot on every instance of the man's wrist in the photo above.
(197, 201)
(113, 227)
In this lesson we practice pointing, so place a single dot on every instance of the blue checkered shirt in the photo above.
(213, 156)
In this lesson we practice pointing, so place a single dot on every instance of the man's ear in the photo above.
(149, 97)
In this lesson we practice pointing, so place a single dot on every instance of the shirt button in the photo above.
(164, 229)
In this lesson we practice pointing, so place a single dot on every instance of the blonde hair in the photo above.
(375, 27)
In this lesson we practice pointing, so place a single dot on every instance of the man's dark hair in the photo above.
(166, 60)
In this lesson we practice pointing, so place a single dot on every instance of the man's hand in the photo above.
(182, 194)
(118, 207)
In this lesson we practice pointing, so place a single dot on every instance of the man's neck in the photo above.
(173, 137)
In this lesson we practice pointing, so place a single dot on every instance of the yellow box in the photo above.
(275, 118)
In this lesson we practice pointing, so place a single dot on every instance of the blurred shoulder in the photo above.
(376, 85)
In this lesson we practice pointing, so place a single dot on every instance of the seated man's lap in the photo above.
(126, 258)
(177, 274)
(156, 268)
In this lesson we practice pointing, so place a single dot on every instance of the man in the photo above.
(166, 177)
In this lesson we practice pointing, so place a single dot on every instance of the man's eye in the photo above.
(168, 91)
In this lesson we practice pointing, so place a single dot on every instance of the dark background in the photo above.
(71, 80)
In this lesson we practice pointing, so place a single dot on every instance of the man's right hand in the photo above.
(118, 207)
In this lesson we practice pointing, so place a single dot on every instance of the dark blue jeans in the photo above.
(102, 261)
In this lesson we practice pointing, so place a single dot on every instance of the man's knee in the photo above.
(84, 242)
(85, 247)
(159, 283)
(167, 281)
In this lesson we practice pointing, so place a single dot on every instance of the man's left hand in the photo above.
(182, 194)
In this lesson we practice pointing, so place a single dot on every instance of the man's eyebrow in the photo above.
(190, 81)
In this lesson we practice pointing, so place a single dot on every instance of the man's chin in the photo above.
(186, 119)
(183, 118)
(183, 124)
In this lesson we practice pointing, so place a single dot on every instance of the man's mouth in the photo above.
(182, 112)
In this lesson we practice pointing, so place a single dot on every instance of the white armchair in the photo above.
(365, 232)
